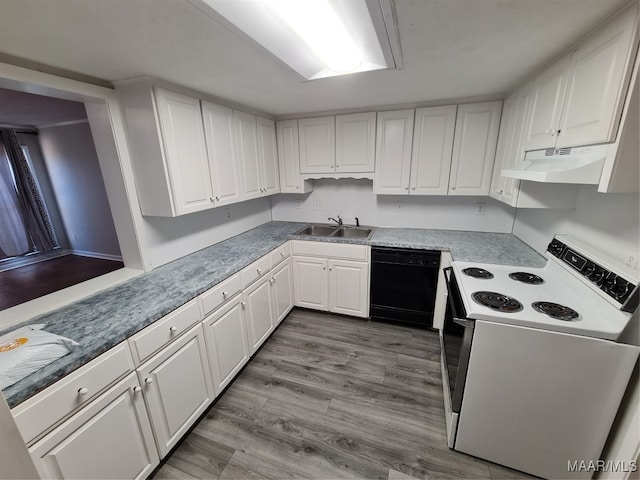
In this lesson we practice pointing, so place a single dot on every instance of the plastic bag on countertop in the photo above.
(27, 349)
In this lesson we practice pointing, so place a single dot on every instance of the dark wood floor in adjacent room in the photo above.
(23, 284)
(331, 397)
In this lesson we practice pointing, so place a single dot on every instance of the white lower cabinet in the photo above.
(259, 312)
(177, 387)
(311, 283)
(226, 335)
(331, 277)
(109, 438)
(349, 287)
(282, 288)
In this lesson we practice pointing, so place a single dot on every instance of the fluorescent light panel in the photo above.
(316, 38)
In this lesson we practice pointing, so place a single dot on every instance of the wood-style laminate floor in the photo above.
(331, 397)
(23, 284)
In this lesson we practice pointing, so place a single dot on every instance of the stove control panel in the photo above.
(613, 285)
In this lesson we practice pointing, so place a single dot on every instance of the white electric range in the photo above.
(532, 373)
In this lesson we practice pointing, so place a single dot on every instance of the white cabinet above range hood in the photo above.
(581, 165)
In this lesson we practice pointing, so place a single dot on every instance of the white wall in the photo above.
(606, 221)
(73, 167)
(167, 239)
(351, 198)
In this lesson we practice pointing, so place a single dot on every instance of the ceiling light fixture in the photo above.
(316, 38)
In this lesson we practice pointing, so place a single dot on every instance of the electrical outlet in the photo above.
(399, 206)
(317, 205)
(480, 208)
(631, 260)
(227, 213)
(299, 204)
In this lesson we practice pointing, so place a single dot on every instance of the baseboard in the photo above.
(103, 256)
(18, 262)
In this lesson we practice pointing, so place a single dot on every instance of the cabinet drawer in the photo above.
(254, 271)
(45, 409)
(281, 253)
(216, 296)
(152, 338)
(331, 250)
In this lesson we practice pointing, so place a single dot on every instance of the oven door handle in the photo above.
(464, 322)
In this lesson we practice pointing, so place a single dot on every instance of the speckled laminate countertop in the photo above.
(105, 319)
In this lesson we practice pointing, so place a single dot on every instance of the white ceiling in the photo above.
(452, 49)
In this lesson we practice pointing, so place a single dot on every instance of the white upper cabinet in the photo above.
(223, 158)
(317, 145)
(546, 107)
(510, 146)
(268, 156)
(578, 99)
(596, 90)
(621, 172)
(185, 150)
(289, 158)
(393, 152)
(247, 142)
(189, 154)
(355, 142)
(474, 148)
(432, 148)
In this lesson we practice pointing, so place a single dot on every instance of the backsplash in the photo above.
(352, 198)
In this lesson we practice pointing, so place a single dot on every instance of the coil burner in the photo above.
(556, 311)
(478, 273)
(525, 277)
(497, 301)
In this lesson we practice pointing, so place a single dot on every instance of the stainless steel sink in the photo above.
(320, 230)
(353, 232)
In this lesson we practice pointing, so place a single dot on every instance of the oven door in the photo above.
(457, 334)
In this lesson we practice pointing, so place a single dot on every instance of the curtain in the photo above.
(25, 225)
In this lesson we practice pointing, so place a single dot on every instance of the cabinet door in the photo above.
(310, 282)
(268, 156)
(317, 145)
(355, 142)
(177, 387)
(474, 148)
(223, 157)
(349, 288)
(432, 148)
(227, 345)
(503, 149)
(598, 84)
(247, 141)
(282, 286)
(394, 134)
(289, 158)
(510, 191)
(546, 107)
(110, 438)
(185, 151)
(258, 305)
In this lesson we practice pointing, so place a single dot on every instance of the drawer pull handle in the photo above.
(148, 380)
(225, 294)
(282, 254)
(173, 329)
(82, 391)
(137, 389)
(259, 271)
(244, 304)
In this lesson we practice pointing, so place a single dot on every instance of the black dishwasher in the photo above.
(403, 285)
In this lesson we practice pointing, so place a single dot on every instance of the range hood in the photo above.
(581, 165)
